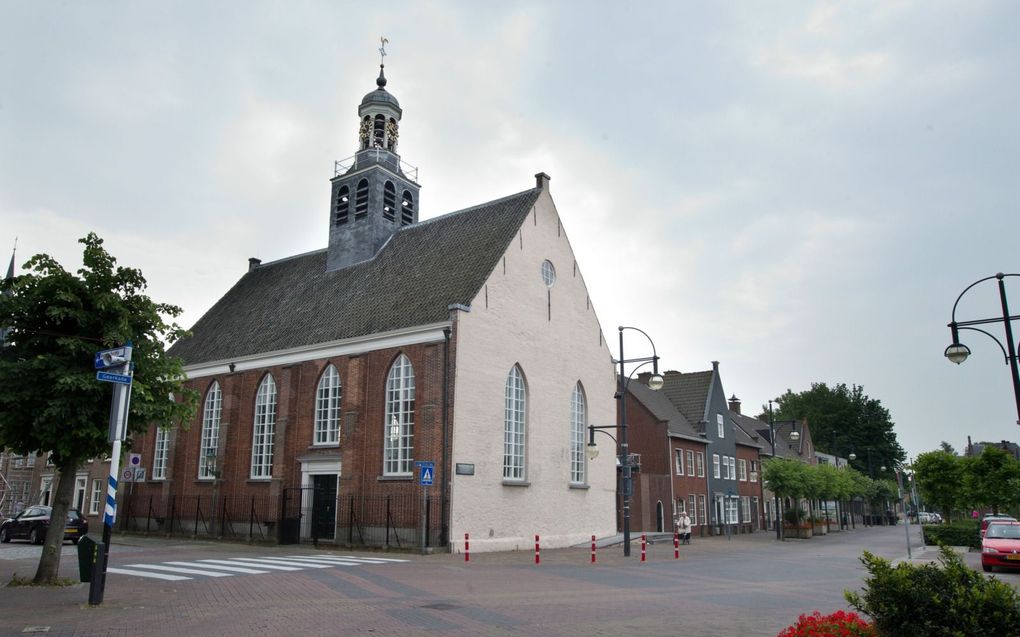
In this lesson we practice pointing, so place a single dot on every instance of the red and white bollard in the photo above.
(644, 541)
(593, 549)
(676, 546)
(467, 553)
(537, 558)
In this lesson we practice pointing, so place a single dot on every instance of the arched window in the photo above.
(208, 466)
(407, 209)
(379, 131)
(514, 425)
(361, 200)
(398, 428)
(343, 205)
(578, 422)
(327, 408)
(263, 429)
(389, 201)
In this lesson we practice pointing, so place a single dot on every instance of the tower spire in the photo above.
(381, 80)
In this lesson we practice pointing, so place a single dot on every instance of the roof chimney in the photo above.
(253, 263)
(734, 404)
(542, 181)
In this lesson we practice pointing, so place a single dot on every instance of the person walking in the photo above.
(683, 527)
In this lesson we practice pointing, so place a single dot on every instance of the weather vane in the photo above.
(382, 49)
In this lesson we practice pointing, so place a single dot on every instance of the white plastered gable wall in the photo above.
(555, 338)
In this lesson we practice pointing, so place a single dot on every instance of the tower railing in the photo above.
(341, 166)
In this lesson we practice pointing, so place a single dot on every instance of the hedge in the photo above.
(965, 533)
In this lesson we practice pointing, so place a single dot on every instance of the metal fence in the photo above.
(299, 514)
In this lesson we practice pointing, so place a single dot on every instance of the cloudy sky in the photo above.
(797, 190)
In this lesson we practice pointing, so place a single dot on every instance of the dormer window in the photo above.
(407, 209)
(389, 201)
(343, 205)
(361, 200)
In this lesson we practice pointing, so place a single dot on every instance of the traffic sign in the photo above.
(135, 459)
(428, 472)
(108, 377)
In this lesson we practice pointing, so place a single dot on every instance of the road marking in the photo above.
(323, 560)
(283, 561)
(247, 561)
(163, 576)
(235, 569)
(175, 569)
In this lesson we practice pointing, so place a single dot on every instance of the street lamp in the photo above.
(775, 504)
(655, 383)
(957, 352)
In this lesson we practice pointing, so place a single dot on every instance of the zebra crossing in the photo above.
(176, 571)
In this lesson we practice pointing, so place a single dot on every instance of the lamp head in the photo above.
(593, 451)
(655, 382)
(957, 353)
(852, 456)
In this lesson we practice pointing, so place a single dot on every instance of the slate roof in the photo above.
(660, 406)
(415, 277)
(689, 392)
(747, 431)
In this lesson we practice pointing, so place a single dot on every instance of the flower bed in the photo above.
(838, 624)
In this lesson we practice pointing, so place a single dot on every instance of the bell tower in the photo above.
(371, 194)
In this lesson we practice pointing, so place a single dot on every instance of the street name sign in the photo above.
(109, 377)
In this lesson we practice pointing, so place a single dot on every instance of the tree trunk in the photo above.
(49, 561)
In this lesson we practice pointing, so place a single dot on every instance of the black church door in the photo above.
(324, 507)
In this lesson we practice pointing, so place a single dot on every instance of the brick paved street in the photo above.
(751, 585)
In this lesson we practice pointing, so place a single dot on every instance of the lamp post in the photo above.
(957, 352)
(775, 496)
(626, 462)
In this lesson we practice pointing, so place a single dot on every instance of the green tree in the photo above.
(51, 400)
(843, 420)
(993, 478)
(939, 477)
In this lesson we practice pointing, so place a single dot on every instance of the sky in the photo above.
(797, 190)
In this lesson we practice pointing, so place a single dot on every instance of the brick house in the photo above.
(467, 340)
(672, 476)
(749, 445)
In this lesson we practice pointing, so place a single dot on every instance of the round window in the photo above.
(548, 273)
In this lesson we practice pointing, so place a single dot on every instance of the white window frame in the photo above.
(328, 394)
(679, 461)
(97, 495)
(690, 462)
(715, 466)
(515, 410)
(263, 430)
(212, 411)
(745, 508)
(721, 426)
(578, 422)
(742, 469)
(45, 490)
(80, 486)
(730, 505)
(693, 499)
(160, 451)
(701, 464)
(398, 450)
(733, 467)
(703, 508)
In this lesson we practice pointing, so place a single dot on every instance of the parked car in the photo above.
(31, 525)
(993, 517)
(1001, 545)
(924, 517)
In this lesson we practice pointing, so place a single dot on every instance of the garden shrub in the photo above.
(944, 599)
(965, 533)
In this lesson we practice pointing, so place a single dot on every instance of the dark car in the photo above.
(1001, 545)
(31, 525)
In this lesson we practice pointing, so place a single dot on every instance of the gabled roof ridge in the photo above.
(468, 209)
(291, 257)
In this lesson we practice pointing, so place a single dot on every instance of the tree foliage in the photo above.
(52, 401)
(939, 476)
(843, 420)
(993, 479)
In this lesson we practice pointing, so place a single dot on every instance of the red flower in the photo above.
(837, 624)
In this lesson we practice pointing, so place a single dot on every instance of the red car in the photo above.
(994, 517)
(31, 525)
(1001, 545)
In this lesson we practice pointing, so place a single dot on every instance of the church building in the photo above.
(461, 350)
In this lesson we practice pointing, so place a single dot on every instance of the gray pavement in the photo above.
(747, 585)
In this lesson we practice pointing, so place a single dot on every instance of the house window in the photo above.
(681, 506)
(720, 425)
(701, 464)
(389, 201)
(407, 208)
(343, 205)
(702, 509)
(361, 200)
(209, 444)
(715, 465)
(731, 510)
(692, 508)
(690, 462)
(30, 459)
(733, 467)
(515, 405)
(263, 429)
(679, 462)
(95, 499)
(45, 488)
(399, 423)
(327, 408)
(159, 453)
(754, 471)
(548, 273)
(742, 468)
(745, 508)
(578, 421)
(757, 519)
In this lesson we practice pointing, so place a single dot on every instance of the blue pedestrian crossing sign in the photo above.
(428, 472)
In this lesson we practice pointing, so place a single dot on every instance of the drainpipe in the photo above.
(444, 539)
